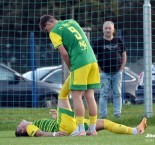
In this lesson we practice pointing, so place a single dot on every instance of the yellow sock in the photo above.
(80, 119)
(117, 128)
(63, 95)
(93, 119)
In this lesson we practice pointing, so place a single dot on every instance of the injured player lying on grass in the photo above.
(57, 127)
(63, 122)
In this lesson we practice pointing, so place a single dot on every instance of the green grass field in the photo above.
(131, 116)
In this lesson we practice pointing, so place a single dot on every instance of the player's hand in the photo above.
(53, 113)
(61, 133)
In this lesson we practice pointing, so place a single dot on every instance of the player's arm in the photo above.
(58, 44)
(64, 55)
(123, 61)
(33, 130)
(53, 113)
(49, 134)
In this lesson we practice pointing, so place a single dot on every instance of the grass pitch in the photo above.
(131, 116)
(103, 138)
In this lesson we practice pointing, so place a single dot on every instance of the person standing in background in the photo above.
(111, 55)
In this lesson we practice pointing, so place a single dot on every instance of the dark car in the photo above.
(17, 91)
(140, 93)
(140, 87)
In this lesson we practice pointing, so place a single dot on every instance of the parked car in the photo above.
(140, 87)
(130, 81)
(40, 73)
(17, 91)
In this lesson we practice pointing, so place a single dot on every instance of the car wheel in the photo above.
(128, 99)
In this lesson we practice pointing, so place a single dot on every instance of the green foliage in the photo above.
(23, 17)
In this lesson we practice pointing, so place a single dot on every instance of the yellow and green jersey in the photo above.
(47, 125)
(69, 34)
(65, 122)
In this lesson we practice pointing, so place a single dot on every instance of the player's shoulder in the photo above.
(67, 21)
(62, 24)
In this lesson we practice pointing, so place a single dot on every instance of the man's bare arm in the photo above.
(64, 55)
(53, 113)
(124, 59)
(49, 134)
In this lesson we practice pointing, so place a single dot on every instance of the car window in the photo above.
(55, 77)
(39, 74)
(6, 74)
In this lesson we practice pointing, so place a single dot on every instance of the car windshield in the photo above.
(6, 75)
(55, 77)
(39, 74)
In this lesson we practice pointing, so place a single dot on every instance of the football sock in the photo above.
(80, 122)
(92, 127)
(117, 128)
(93, 120)
(81, 127)
(80, 119)
(134, 131)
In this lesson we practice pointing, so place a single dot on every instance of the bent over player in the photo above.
(69, 38)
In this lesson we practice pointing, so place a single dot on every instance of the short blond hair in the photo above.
(108, 22)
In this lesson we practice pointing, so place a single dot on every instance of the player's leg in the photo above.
(92, 107)
(63, 101)
(79, 112)
(93, 82)
(77, 85)
(119, 128)
(89, 81)
(66, 120)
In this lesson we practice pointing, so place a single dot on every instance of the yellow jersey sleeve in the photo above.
(31, 130)
(56, 39)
